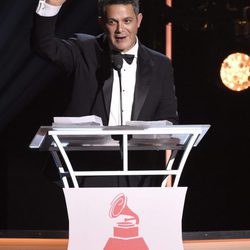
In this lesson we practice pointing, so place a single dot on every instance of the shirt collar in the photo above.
(134, 49)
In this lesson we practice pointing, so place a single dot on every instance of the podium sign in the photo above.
(125, 218)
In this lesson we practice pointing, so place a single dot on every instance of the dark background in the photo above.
(33, 91)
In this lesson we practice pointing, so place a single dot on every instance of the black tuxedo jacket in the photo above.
(86, 59)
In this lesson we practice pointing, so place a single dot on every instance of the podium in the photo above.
(122, 218)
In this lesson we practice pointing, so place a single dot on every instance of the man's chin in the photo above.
(121, 47)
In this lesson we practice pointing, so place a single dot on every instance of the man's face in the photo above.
(121, 24)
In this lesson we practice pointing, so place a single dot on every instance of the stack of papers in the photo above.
(150, 124)
(150, 138)
(77, 122)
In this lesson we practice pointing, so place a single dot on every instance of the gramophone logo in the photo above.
(126, 231)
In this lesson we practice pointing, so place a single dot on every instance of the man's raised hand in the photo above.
(56, 2)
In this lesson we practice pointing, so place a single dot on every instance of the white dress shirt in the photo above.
(128, 78)
(48, 10)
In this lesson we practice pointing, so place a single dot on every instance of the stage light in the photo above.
(235, 71)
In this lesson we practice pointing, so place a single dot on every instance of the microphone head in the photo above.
(117, 61)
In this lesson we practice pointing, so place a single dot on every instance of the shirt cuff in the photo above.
(47, 10)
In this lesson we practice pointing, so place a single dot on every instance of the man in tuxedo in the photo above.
(146, 87)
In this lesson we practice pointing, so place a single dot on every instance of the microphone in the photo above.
(117, 62)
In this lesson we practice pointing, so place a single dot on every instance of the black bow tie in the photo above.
(127, 57)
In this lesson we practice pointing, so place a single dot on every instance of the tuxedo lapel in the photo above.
(143, 79)
(105, 75)
(107, 92)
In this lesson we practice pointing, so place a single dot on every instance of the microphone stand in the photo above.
(121, 106)
(121, 111)
(117, 62)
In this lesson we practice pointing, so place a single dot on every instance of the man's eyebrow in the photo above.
(114, 19)
(111, 19)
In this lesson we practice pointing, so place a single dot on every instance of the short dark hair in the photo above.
(103, 3)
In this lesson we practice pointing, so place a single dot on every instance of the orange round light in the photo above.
(235, 72)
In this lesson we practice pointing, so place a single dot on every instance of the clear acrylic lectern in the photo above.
(122, 218)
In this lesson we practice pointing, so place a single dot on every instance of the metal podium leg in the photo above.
(125, 153)
(59, 165)
(66, 160)
(184, 157)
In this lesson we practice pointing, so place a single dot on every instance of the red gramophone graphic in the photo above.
(126, 232)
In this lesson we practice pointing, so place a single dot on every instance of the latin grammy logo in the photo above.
(126, 232)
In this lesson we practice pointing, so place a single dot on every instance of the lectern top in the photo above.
(140, 135)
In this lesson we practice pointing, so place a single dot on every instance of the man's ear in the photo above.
(139, 19)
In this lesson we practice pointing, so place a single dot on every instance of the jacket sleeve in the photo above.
(64, 53)
(168, 104)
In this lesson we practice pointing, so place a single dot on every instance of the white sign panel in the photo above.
(125, 218)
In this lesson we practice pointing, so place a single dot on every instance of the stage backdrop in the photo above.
(32, 91)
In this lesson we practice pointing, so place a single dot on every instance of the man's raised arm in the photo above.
(55, 2)
(43, 40)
